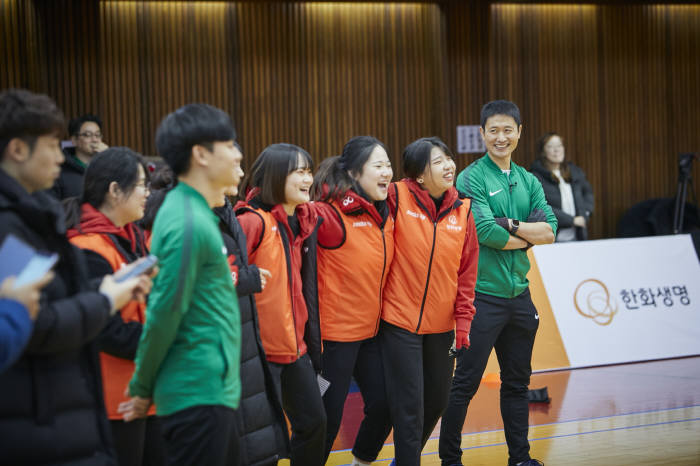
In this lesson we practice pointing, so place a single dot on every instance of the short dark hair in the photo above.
(75, 124)
(416, 155)
(188, 126)
(26, 115)
(269, 171)
(500, 107)
(336, 173)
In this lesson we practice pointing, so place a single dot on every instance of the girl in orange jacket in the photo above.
(428, 295)
(101, 222)
(355, 249)
(278, 224)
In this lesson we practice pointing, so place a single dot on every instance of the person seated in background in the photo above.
(86, 133)
(18, 309)
(51, 405)
(566, 188)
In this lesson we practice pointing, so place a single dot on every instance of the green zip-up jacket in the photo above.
(189, 352)
(495, 194)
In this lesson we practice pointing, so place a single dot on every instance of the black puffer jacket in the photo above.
(583, 195)
(51, 405)
(262, 428)
(70, 181)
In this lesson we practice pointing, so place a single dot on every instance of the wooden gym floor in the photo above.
(632, 414)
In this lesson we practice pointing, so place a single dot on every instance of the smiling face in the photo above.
(376, 175)
(297, 186)
(501, 134)
(439, 174)
(130, 207)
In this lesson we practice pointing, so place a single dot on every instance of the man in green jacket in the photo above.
(511, 214)
(188, 356)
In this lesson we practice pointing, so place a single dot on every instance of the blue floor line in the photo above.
(580, 420)
(557, 436)
(577, 434)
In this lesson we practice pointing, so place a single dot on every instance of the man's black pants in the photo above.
(509, 326)
(139, 442)
(201, 435)
(418, 372)
(361, 359)
(302, 403)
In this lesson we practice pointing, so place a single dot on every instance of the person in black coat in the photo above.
(86, 133)
(261, 428)
(566, 188)
(51, 405)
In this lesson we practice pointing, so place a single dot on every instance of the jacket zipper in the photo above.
(291, 295)
(381, 280)
(427, 280)
(512, 253)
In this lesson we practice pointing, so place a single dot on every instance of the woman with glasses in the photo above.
(101, 222)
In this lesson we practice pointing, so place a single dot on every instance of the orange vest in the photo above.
(352, 276)
(116, 372)
(274, 303)
(421, 289)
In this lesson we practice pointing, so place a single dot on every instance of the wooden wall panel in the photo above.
(317, 74)
(19, 51)
(620, 82)
(158, 57)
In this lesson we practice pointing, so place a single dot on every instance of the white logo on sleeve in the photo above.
(493, 193)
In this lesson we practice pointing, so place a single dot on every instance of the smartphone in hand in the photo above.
(142, 266)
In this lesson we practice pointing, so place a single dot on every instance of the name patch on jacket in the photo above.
(415, 214)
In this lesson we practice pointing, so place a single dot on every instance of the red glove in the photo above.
(462, 333)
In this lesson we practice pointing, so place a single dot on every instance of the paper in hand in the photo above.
(323, 384)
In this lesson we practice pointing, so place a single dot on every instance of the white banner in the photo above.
(623, 300)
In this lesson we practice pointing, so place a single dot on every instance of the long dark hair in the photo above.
(116, 164)
(269, 171)
(539, 150)
(336, 174)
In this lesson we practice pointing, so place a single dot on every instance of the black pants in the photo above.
(417, 374)
(509, 326)
(201, 435)
(361, 359)
(139, 442)
(301, 400)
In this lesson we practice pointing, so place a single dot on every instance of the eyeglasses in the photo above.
(90, 135)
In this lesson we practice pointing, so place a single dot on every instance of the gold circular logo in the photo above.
(593, 301)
